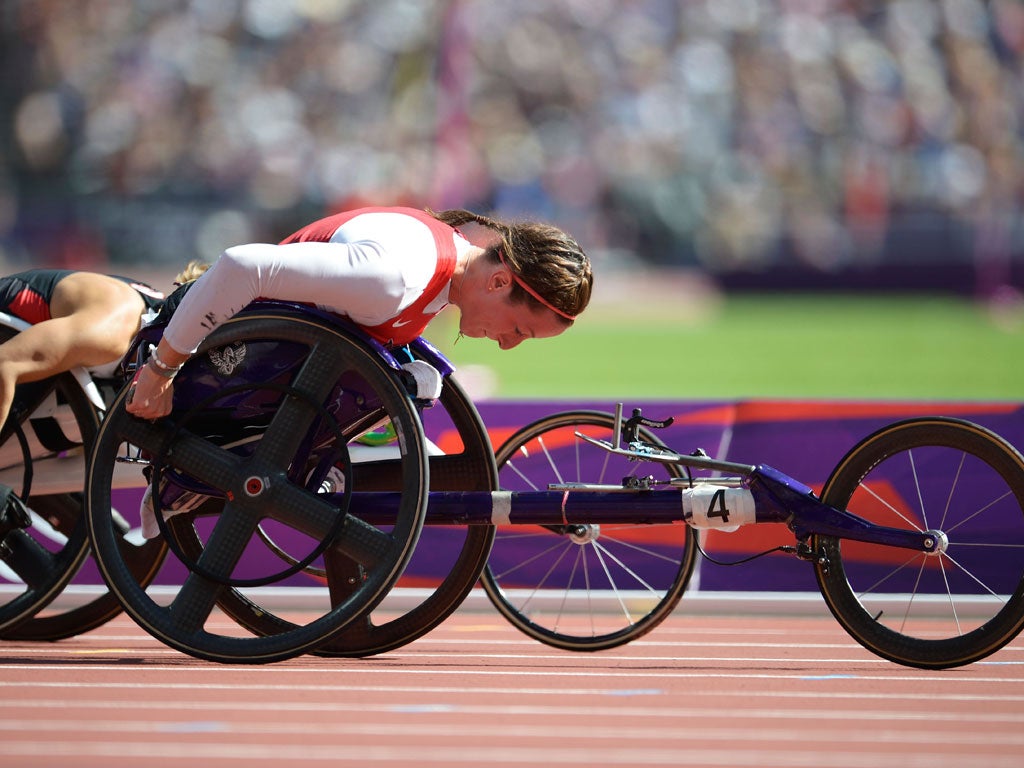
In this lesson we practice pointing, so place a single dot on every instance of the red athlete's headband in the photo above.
(522, 284)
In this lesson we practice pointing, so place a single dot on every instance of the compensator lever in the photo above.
(631, 429)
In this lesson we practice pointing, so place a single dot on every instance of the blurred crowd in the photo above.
(726, 135)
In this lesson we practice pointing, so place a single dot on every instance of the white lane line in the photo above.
(502, 754)
(858, 656)
(597, 692)
(565, 714)
(403, 668)
(495, 729)
(517, 689)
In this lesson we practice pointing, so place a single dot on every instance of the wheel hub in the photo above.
(254, 485)
(586, 533)
(936, 541)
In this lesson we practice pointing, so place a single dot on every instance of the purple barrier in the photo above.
(802, 439)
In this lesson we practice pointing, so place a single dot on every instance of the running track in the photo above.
(703, 689)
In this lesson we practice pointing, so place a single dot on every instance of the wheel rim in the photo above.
(186, 619)
(589, 587)
(937, 610)
(40, 561)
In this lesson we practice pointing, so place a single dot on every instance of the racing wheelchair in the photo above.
(260, 476)
(43, 448)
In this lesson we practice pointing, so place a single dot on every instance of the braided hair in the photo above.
(545, 258)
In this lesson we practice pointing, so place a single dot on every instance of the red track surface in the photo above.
(698, 691)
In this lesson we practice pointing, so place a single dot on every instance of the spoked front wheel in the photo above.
(938, 610)
(583, 587)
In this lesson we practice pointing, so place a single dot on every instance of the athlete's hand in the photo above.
(150, 395)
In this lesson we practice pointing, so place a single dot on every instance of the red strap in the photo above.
(412, 321)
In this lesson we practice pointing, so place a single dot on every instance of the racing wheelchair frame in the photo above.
(263, 447)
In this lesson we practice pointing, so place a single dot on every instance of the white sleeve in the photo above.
(359, 280)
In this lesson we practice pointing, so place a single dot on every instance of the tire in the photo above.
(929, 611)
(591, 588)
(55, 622)
(61, 619)
(282, 377)
(36, 563)
(394, 623)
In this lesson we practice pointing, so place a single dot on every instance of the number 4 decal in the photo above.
(717, 506)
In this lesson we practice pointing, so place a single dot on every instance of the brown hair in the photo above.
(544, 257)
(191, 272)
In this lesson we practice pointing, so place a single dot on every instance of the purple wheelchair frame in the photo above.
(778, 498)
(232, 405)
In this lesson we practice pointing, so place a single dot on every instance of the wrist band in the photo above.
(160, 367)
(167, 373)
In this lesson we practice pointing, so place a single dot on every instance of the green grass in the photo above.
(789, 346)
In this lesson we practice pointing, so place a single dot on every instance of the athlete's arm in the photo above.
(93, 320)
(360, 280)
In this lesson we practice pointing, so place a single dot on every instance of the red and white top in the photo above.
(387, 269)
